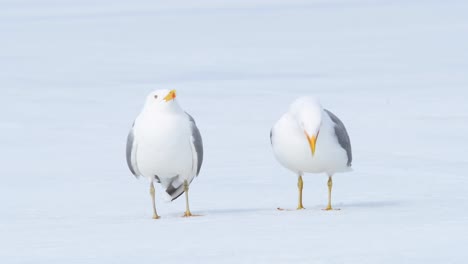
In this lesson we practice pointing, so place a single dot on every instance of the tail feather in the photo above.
(175, 191)
(173, 187)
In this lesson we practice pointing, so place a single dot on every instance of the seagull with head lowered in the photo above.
(310, 139)
(165, 145)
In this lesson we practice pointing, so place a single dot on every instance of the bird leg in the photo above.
(300, 185)
(152, 193)
(187, 208)
(330, 185)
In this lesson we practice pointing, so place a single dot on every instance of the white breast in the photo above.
(163, 146)
(292, 149)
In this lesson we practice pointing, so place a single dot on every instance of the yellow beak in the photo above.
(170, 96)
(312, 141)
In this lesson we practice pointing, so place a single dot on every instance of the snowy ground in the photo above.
(74, 74)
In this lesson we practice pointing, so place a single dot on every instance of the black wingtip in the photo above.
(175, 192)
(177, 196)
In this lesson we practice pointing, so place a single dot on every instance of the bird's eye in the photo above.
(155, 96)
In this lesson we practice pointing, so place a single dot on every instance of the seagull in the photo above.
(165, 145)
(311, 139)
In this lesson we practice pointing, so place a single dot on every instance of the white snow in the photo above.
(74, 74)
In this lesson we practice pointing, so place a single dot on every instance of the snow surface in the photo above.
(74, 74)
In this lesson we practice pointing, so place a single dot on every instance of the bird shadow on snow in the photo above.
(274, 210)
(218, 212)
(236, 211)
(373, 204)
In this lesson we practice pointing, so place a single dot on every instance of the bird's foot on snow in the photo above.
(283, 209)
(156, 216)
(189, 214)
(329, 208)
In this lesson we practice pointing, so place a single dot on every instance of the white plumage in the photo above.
(165, 145)
(310, 139)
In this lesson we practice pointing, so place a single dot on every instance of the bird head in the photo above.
(308, 114)
(161, 99)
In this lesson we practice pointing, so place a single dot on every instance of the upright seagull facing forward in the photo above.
(165, 145)
(311, 139)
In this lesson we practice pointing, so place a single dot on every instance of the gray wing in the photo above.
(131, 153)
(342, 135)
(271, 136)
(197, 142)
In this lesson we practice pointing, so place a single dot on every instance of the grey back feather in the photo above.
(130, 152)
(342, 135)
(197, 142)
